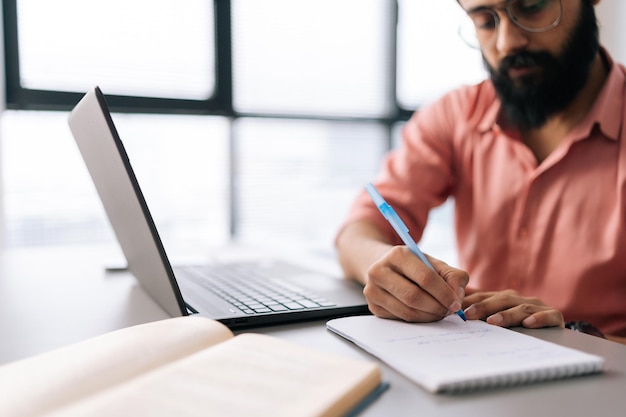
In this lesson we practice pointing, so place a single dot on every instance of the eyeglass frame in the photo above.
(506, 7)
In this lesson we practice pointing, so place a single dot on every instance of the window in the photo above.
(262, 106)
(181, 162)
(426, 68)
(153, 48)
(295, 177)
(312, 57)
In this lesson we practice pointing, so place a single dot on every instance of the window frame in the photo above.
(221, 103)
(19, 98)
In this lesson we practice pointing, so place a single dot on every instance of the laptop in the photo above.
(241, 295)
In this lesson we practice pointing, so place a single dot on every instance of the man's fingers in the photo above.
(472, 297)
(386, 305)
(484, 304)
(389, 292)
(403, 299)
(431, 283)
(455, 278)
(528, 315)
(400, 285)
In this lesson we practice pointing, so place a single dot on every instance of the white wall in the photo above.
(611, 14)
(2, 107)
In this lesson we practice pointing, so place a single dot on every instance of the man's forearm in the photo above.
(359, 244)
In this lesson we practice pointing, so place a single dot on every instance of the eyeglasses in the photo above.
(481, 26)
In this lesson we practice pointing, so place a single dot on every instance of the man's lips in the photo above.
(521, 70)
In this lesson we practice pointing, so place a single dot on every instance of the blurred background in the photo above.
(253, 120)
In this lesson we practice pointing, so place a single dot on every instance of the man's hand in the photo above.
(400, 286)
(508, 309)
(397, 284)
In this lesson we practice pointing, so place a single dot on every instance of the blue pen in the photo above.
(400, 228)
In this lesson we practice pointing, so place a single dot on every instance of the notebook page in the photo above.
(248, 375)
(452, 355)
(36, 385)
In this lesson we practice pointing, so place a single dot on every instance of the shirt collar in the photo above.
(608, 110)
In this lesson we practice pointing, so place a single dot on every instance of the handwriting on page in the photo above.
(446, 341)
(451, 354)
(442, 338)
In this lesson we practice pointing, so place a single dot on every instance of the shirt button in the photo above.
(523, 233)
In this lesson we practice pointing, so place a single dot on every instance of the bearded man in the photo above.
(535, 159)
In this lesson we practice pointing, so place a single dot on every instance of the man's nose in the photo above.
(509, 37)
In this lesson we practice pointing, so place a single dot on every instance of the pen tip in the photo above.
(462, 315)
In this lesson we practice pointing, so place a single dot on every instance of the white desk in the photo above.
(51, 297)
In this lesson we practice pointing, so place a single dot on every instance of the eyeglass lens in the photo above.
(529, 15)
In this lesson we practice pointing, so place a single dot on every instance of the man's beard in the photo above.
(530, 101)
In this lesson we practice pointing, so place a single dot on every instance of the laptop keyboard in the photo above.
(252, 292)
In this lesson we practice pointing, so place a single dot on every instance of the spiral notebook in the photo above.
(454, 356)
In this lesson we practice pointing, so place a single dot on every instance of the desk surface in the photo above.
(51, 297)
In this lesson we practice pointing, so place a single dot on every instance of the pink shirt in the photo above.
(555, 230)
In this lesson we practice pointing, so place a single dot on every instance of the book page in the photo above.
(452, 353)
(35, 385)
(249, 375)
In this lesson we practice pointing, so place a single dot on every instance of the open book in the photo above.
(186, 366)
(452, 355)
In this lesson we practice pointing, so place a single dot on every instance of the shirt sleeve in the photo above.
(416, 176)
